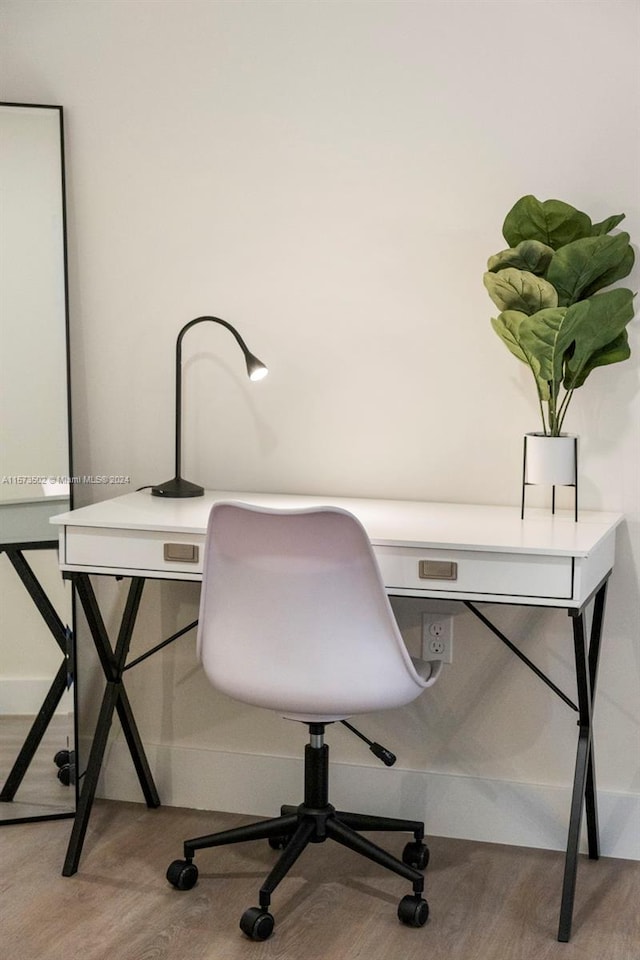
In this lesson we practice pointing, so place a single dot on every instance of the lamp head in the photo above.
(255, 368)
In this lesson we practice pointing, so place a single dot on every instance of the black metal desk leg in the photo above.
(123, 707)
(113, 662)
(584, 791)
(35, 735)
(90, 781)
(136, 750)
(41, 600)
(593, 832)
(57, 629)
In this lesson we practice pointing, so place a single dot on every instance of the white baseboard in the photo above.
(471, 808)
(23, 696)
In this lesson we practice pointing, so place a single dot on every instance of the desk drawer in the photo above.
(463, 571)
(134, 550)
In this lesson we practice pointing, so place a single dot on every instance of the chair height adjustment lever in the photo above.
(377, 749)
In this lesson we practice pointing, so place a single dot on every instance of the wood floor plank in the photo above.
(488, 902)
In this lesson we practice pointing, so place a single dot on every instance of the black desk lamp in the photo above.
(256, 371)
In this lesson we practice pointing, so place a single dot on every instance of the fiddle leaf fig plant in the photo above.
(548, 285)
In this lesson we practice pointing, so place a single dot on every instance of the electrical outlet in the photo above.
(437, 636)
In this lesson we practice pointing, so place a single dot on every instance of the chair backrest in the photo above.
(294, 614)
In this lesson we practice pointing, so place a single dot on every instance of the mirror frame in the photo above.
(51, 543)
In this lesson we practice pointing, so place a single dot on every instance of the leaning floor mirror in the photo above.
(37, 716)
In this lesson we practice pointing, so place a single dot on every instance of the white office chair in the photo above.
(294, 617)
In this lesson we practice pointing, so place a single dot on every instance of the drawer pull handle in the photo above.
(437, 570)
(182, 552)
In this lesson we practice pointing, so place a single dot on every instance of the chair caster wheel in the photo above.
(182, 874)
(416, 855)
(257, 923)
(279, 843)
(413, 911)
(66, 774)
(62, 758)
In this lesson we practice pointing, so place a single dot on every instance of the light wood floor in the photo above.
(488, 902)
(41, 793)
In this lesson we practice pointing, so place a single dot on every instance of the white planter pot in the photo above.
(550, 460)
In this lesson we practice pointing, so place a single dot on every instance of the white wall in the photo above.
(332, 177)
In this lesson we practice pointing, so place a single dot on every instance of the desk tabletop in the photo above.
(387, 522)
(26, 522)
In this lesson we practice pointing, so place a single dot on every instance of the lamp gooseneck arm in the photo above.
(179, 487)
(192, 323)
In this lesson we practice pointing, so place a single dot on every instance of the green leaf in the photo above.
(592, 325)
(622, 269)
(541, 338)
(613, 352)
(512, 289)
(508, 326)
(529, 255)
(606, 226)
(551, 222)
(581, 264)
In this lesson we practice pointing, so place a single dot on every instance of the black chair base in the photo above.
(315, 821)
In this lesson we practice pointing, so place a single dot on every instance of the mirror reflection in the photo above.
(36, 695)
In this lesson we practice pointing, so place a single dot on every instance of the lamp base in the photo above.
(177, 488)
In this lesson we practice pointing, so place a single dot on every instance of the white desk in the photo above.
(542, 560)
(447, 551)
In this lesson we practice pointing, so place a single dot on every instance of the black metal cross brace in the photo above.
(62, 679)
(114, 666)
(584, 781)
(115, 697)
